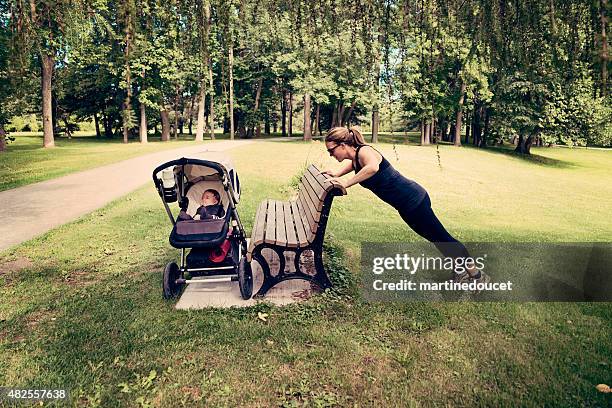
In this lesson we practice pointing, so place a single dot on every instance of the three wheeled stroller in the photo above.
(217, 247)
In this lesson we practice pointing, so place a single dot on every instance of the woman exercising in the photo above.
(411, 200)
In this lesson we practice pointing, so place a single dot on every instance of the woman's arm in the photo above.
(369, 159)
(345, 169)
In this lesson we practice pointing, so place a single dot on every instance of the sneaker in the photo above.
(484, 278)
(466, 278)
(461, 278)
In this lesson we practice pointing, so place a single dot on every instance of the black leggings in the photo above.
(425, 223)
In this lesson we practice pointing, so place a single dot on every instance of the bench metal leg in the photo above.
(319, 278)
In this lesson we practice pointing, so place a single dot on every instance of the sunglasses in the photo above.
(331, 151)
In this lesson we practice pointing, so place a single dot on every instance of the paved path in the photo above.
(34, 209)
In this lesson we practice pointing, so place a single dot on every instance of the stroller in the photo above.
(217, 247)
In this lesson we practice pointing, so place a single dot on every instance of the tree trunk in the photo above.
(2, 138)
(334, 118)
(375, 124)
(48, 62)
(127, 108)
(191, 115)
(603, 6)
(485, 136)
(425, 135)
(477, 129)
(97, 122)
(231, 90)
(54, 113)
(340, 117)
(290, 113)
(200, 126)
(350, 112)
(108, 128)
(317, 128)
(307, 129)
(429, 132)
(267, 122)
(257, 96)
(143, 124)
(468, 127)
(176, 113)
(165, 136)
(284, 113)
(524, 145)
(459, 116)
(211, 108)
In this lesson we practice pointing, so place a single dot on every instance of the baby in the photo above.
(210, 207)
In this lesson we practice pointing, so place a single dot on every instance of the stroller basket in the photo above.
(199, 234)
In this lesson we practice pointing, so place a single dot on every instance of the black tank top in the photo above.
(390, 186)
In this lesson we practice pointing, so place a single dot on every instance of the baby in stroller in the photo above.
(210, 207)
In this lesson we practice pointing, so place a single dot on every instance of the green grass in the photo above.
(81, 307)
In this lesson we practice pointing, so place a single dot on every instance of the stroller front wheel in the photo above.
(245, 278)
(170, 288)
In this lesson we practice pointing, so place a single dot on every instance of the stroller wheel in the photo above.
(170, 288)
(245, 278)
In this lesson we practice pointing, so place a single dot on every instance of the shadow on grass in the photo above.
(530, 158)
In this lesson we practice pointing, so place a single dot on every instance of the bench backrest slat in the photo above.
(326, 185)
(310, 225)
(306, 203)
(316, 187)
(310, 198)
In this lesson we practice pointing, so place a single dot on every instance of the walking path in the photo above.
(34, 209)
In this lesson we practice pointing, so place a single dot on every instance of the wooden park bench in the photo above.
(297, 226)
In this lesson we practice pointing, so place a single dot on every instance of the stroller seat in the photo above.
(199, 233)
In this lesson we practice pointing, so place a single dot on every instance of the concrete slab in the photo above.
(227, 294)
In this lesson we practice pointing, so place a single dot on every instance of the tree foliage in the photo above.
(534, 72)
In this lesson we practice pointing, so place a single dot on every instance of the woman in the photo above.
(411, 200)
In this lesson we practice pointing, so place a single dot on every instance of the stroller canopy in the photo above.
(210, 166)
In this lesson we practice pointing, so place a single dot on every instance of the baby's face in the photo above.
(208, 198)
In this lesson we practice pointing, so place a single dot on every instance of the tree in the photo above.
(39, 29)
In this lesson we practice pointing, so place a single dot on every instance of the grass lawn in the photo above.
(81, 306)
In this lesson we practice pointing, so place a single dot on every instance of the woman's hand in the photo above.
(336, 180)
(330, 173)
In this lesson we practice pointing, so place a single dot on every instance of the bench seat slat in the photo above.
(271, 223)
(257, 236)
(281, 232)
(292, 241)
(299, 225)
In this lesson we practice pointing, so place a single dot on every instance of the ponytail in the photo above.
(358, 139)
(351, 136)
